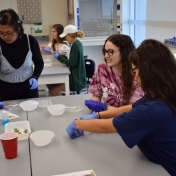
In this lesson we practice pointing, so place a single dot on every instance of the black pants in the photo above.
(16, 91)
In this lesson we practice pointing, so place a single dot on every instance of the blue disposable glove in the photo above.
(72, 131)
(95, 105)
(91, 116)
(1, 105)
(46, 50)
(56, 54)
(33, 83)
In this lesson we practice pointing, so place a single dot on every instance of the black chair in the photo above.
(90, 69)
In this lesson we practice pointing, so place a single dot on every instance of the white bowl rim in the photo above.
(33, 133)
(55, 105)
(29, 101)
(22, 104)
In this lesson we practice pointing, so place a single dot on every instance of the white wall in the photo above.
(53, 11)
(163, 14)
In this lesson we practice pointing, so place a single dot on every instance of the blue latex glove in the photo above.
(1, 105)
(72, 131)
(91, 116)
(56, 54)
(95, 105)
(33, 83)
(46, 50)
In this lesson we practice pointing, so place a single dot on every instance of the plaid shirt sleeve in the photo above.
(137, 93)
(95, 86)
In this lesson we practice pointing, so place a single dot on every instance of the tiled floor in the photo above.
(43, 91)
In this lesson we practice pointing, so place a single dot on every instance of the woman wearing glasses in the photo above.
(112, 81)
(150, 123)
(18, 54)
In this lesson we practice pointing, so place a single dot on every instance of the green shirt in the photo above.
(76, 63)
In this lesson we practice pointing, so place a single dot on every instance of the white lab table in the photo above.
(106, 154)
(19, 166)
(53, 73)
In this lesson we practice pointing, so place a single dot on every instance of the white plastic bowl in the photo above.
(56, 110)
(29, 105)
(42, 138)
(21, 126)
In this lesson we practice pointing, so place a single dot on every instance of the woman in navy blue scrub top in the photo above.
(21, 62)
(149, 123)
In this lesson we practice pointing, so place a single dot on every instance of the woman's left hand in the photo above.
(1, 105)
(56, 54)
(33, 83)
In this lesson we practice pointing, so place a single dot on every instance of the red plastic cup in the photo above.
(10, 144)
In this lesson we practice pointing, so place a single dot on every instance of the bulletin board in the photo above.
(29, 11)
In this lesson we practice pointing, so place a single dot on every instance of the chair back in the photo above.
(90, 68)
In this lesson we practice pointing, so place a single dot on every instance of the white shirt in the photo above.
(61, 48)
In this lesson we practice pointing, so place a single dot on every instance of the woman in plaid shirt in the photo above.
(112, 81)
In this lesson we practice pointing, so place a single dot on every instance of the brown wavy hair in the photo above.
(59, 28)
(126, 46)
(157, 71)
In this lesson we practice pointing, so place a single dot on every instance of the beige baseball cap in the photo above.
(69, 29)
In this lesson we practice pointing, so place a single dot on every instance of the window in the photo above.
(137, 20)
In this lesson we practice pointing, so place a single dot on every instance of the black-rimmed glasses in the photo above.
(10, 34)
(133, 72)
(109, 51)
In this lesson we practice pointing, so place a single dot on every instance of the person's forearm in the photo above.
(110, 113)
(96, 98)
(96, 126)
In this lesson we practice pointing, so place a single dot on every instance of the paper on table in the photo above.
(44, 103)
(11, 116)
(47, 64)
(48, 59)
(80, 173)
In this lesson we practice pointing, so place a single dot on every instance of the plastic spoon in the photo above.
(6, 105)
(69, 107)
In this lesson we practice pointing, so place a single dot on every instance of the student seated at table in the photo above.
(150, 123)
(60, 45)
(75, 62)
(112, 81)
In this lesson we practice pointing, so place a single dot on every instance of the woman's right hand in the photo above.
(95, 105)
(46, 50)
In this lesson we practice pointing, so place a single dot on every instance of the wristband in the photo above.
(98, 115)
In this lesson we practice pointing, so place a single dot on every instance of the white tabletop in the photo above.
(106, 154)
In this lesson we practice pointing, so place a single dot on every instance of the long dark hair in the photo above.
(157, 71)
(9, 17)
(126, 46)
(59, 28)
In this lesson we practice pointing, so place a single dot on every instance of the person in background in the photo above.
(112, 81)
(75, 62)
(61, 46)
(18, 54)
(150, 123)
